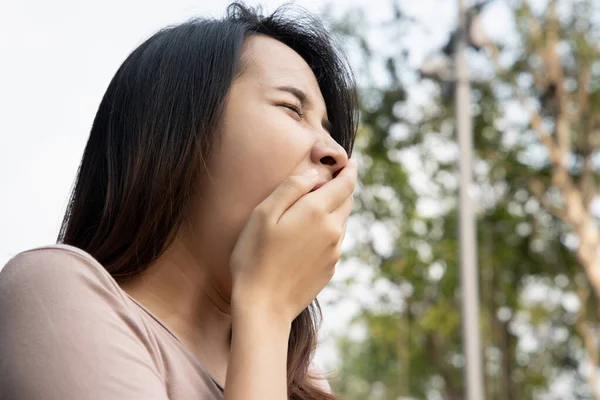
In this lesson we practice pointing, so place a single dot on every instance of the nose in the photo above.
(329, 155)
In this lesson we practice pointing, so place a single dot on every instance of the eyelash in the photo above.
(294, 108)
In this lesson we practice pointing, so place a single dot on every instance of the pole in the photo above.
(467, 228)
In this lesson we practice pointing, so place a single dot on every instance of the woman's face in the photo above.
(262, 140)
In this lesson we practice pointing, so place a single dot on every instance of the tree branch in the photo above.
(590, 342)
(576, 211)
(587, 183)
(555, 72)
(538, 189)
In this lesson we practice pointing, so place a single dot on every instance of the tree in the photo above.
(537, 136)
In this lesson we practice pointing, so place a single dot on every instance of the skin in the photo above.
(262, 142)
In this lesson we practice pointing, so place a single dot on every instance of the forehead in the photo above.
(270, 62)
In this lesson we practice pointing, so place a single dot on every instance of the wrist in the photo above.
(257, 367)
(257, 308)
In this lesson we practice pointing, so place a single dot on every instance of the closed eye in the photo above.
(294, 108)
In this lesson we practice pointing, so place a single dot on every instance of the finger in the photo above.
(334, 193)
(288, 192)
(342, 236)
(341, 214)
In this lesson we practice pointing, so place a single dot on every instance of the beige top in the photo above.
(68, 331)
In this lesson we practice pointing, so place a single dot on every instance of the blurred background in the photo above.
(392, 314)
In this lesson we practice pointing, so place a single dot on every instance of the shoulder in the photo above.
(54, 271)
(57, 288)
(58, 258)
(68, 332)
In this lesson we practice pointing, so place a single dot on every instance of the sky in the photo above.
(57, 59)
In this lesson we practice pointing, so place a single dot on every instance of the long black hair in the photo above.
(154, 131)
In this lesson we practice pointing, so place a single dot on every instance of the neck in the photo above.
(180, 291)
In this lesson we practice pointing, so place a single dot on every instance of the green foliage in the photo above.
(412, 345)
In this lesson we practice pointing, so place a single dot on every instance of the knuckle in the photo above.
(331, 271)
(298, 181)
(261, 213)
(315, 210)
(334, 233)
(336, 254)
(349, 204)
(289, 183)
(349, 184)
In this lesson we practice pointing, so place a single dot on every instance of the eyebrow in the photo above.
(305, 102)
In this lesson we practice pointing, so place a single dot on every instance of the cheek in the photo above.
(258, 153)
(260, 145)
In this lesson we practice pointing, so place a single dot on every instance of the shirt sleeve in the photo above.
(67, 333)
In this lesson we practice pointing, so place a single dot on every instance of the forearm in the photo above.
(257, 366)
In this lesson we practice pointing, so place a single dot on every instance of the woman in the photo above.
(208, 213)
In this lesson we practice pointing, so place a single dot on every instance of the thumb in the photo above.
(288, 192)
